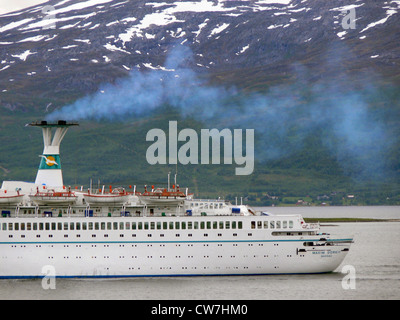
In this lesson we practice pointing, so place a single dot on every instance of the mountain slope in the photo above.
(324, 100)
(73, 46)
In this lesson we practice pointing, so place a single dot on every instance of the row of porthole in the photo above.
(161, 257)
(135, 245)
(133, 235)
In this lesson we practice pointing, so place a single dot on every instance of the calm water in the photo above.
(375, 256)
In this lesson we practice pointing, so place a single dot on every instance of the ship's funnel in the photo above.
(50, 173)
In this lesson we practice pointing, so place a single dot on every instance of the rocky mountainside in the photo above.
(66, 49)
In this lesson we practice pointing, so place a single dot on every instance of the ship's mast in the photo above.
(49, 172)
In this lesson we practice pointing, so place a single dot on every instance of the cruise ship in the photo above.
(116, 232)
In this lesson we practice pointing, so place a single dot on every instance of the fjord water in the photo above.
(375, 256)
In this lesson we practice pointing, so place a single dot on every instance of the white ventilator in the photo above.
(49, 172)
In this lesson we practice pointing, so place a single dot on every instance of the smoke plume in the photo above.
(283, 119)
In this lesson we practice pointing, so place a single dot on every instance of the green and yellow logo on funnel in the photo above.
(50, 162)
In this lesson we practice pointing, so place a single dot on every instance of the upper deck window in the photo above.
(272, 224)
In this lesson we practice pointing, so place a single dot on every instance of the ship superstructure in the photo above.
(117, 232)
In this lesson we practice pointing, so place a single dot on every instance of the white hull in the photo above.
(106, 199)
(53, 200)
(161, 252)
(11, 199)
(167, 201)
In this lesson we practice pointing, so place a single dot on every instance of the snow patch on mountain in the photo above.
(389, 13)
(23, 56)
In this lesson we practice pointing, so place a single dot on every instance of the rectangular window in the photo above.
(284, 224)
(158, 225)
(152, 225)
(84, 226)
(177, 225)
(190, 225)
(165, 225)
(90, 225)
(53, 226)
(183, 225)
(109, 224)
(59, 226)
(71, 226)
(265, 224)
(115, 226)
(259, 224)
(146, 226)
(22, 226)
(240, 224)
(290, 223)
(215, 225)
(208, 224)
(133, 225)
(140, 225)
(272, 224)
(196, 224)
(47, 225)
(121, 226)
(78, 226)
(96, 226)
(233, 224)
(227, 225)
(127, 225)
(103, 226)
(29, 226)
(202, 225)
(278, 224)
(65, 225)
(16, 226)
(171, 225)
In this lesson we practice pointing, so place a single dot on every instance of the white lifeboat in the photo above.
(52, 197)
(11, 198)
(117, 196)
(161, 196)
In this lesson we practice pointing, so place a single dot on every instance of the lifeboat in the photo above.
(6, 198)
(116, 196)
(162, 197)
(52, 197)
